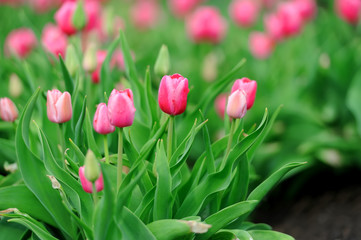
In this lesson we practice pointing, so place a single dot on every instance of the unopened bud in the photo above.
(71, 60)
(210, 67)
(198, 227)
(162, 63)
(79, 19)
(90, 58)
(91, 167)
(15, 86)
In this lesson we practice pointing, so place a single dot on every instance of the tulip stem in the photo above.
(170, 137)
(229, 145)
(95, 194)
(62, 140)
(106, 150)
(120, 158)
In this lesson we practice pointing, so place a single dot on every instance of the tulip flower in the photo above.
(87, 185)
(244, 12)
(172, 96)
(237, 104)
(54, 40)
(306, 8)
(8, 110)
(291, 19)
(206, 24)
(220, 105)
(274, 26)
(121, 108)
(181, 8)
(20, 42)
(348, 10)
(144, 14)
(63, 18)
(261, 45)
(249, 87)
(101, 122)
(59, 107)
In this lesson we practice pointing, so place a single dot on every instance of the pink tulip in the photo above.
(101, 121)
(172, 95)
(144, 14)
(244, 12)
(59, 106)
(261, 45)
(206, 24)
(220, 104)
(274, 26)
(348, 10)
(87, 185)
(306, 8)
(93, 12)
(20, 42)
(181, 8)
(121, 108)
(101, 55)
(291, 19)
(54, 40)
(249, 87)
(64, 16)
(237, 104)
(8, 110)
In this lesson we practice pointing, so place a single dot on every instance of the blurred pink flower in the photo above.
(244, 12)
(8, 110)
(20, 42)
(101, 55)
(274, 26)
(181, 8)
(220, 104)
(145, 14)
(306, 8)
(42, 6)
(54, 40)
(206, 24)
(261, 45)
(348, 10)
(291, 18)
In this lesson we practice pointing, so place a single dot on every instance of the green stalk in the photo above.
(106, 150)
(95, 194)
(62, 142)
(229, 145)
(120, 157)
(170, 137)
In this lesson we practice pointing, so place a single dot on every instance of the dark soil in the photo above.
(323, 204)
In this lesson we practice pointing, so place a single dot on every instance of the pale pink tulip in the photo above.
(20, 42)
(59, 107)
(249, 87)
(8, 110)
(237, 104)
(54, 40)
(101, 122)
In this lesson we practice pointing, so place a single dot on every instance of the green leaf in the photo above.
(88, 127)
(231, 234)
(13, 231)
(163, 195)
(11, 179)
(269, 235)
(14, 196)
(354, 99)
(79, 126)
(169, 229)
(152, 105)
(225, 216)
(69, 83)
(37, 228)
(34, 173)
(105, 76)
(7, 149)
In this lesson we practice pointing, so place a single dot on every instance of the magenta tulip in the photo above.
(20, 42)
(63, 18)
(172, 95)
(87, 185)
(237, 104)
(101, 122)
(121, 108)
(59, 107)
(348, 10)
(306, 8)
(8, 110)
(249, 87)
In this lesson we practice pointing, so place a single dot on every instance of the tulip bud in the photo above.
(20, 42)
(54, 40)
(121, 108)
(63, 17)
(79, 18)
(244, 12)
(249, 87)
(172, 95)
(101, 122)
(91, 167)
(59, 107)
(71, 60)
(261, 45)
(237, 104)
(8, 110)
(144, 14)
(87, 185)
(15, 86)
(90, 58)
(162, 63)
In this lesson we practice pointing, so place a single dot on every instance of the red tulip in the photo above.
(87, 185)
(206, 24)
(249, 87)
(237, 104)
(348, 10)
(8, 110)
(54, 40)
(261, 45)
(101, 122)
(20, 42)
(121, 108)
(59, 107)
(244, 12)
(172, 95)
